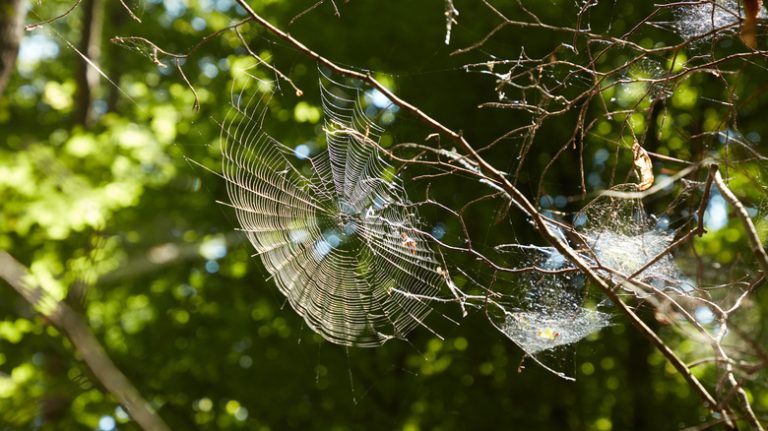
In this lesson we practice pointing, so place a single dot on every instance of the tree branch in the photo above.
(73, 325)
(749, 227)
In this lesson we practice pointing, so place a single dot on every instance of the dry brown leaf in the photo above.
(749, 27)
(643, 167)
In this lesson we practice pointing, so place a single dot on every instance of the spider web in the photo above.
(338, 236)
(342, 241)
(699, 19)
(549, 312)
(623, 238)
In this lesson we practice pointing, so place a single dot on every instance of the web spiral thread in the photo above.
(340, 241)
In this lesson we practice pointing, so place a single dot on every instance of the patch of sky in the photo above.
(186, 290)
(106, 423)
(302, 151)
(601, 156)
(223, 5)
(298, 235)
(379, 202)
(219, 5)
(438, 231)
(350, 228)
(198, 23)
(332, 238)
(27, 91)
(100, 106)
(727, 136)
(214, 248)
(554, 261)
(661, 178)
(371, 111)
(379, 100)
(36, 48)
(208, 68)
(346, 208)
(322, 248)
(716, 215)
(662, 223)
(205, 5)
(580, 220)
(687, 285)
(212, 267)
(704, 315)
(174, 8)
(594, 180)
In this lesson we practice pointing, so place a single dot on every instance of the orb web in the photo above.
(336, 234)
(645, 78)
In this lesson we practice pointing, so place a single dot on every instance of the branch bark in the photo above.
(78, 332)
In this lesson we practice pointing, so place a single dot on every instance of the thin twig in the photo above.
(705, 199)
(30, 27)
(749, 227)
(130, 12)
(277, 71)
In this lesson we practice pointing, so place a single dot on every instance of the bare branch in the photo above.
(86, 344)
(746, 221)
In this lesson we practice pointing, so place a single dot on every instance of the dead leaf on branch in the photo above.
(749, 27)
(643, 166)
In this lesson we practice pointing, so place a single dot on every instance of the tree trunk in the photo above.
(12, 13)
(86, 76)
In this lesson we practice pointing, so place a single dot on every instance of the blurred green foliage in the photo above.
(113, 219)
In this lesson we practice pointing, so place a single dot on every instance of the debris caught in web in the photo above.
(622, 238)
(547, 311)
(749, 27)
(704, 19)
(333, 229)
(536, 331)
(643, 166)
